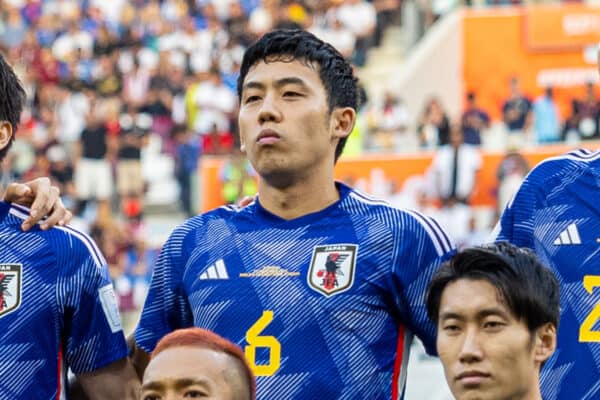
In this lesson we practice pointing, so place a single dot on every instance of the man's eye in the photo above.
(493, 325)
(451, 328)
(251, 99)
(150, 397)
(194, 394)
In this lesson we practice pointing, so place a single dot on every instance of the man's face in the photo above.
(284, 120)
(193, 372)
(486, 352)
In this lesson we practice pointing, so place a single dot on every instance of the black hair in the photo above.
(12, 98)
(529, 289)
(290, 45)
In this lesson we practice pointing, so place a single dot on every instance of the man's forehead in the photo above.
(483, 295)
(273, 69)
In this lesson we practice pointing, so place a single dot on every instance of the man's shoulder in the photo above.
(221, 216)
(552, 171)
(401, 222)
(66, 242)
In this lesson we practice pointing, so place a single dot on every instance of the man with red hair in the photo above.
(198, 362)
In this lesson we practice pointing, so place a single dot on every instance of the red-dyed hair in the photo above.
(198, 337)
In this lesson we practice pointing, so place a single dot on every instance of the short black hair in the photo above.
(12, 98)
(289, 45)
(529, 289)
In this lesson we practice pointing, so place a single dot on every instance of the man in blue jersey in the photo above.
(497, 311)
(556, 213)
(321, 285)
(57, 307)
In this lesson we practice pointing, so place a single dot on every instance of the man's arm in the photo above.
(44, 201)
(139, 358)
(117, 380)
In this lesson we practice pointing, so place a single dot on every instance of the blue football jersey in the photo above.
(57, 308)
(556, 212)
(323, 305)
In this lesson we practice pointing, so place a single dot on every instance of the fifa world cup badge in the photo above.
(332, 268)
(10, 287)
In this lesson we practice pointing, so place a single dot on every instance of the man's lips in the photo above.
(268, 136)
(472, 378)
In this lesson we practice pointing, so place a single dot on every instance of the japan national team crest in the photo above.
(10, 288)
(332, 268)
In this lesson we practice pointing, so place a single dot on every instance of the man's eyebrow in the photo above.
(181, 383)
(486, 312)
(450, 315)
(290, 80)
(253, 85)
(152, 385)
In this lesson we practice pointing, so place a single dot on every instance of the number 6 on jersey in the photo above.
(255, 340)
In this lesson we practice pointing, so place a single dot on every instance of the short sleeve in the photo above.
(424, 246)
(91, 333)
(166, 307)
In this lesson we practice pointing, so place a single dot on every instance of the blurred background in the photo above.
(131, 110)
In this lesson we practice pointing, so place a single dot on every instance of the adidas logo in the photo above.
(215, 271)
(568, 236)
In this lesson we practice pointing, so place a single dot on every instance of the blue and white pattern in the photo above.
(304, 344)
(556, 212)
(60, 323)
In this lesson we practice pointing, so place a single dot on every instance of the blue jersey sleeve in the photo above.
(92, 334)
(423, 247)
(166, 307)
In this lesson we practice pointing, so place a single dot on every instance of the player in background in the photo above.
(496, 309)
(320, 284)
(556, 213)
(57, 307)
(194, 363)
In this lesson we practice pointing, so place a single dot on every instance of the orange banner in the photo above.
(495, 51)
(562, 26)
(392, 171)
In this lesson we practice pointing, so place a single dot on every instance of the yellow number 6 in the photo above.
(586, 334)
(269, 342)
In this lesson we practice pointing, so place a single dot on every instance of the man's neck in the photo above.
(300, 198)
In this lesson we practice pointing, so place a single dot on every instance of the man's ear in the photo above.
(545, 342)
(342, 122)
(6, 132)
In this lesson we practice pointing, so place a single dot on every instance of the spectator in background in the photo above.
(510, 173)
(93, 175)
(454, 168)
(583, 122)
(360, 18)
(474, 120)
(434, 126)
(216, 104)
(216, 142)
(546, 119)
(516, 114)
(187, 148)
(134, 129)
(388, 122)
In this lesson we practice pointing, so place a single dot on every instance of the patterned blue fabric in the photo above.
(556, 212)
(57, 308)
(324, 305)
